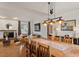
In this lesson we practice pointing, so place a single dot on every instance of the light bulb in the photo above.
(60, 22)
(10, 27)
(15, 17)
(45, 24)
(57, 29)
(50, 23)
(2, 17)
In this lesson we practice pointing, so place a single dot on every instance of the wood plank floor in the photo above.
(10, 51)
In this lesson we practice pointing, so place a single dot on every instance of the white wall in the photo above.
(4, 22)
(43, 30)
(38, 17)
(70, 15)
(3, 26)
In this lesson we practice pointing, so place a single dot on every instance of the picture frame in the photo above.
(68, 25)
(37, 27)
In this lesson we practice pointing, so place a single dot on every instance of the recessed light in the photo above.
(15, 17)
(2, 17)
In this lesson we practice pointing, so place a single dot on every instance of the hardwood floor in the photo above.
(10, 51)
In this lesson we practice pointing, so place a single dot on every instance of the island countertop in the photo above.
(60, 49)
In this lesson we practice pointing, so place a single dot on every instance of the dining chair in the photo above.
(43, 50)
(27, 47)
(33, 47)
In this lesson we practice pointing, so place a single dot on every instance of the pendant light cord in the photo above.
(54, 10)
(48, 9)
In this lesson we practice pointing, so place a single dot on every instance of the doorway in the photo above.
(11, 35)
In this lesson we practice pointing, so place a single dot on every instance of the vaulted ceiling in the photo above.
(28, 9)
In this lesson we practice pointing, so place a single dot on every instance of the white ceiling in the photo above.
(26, 8)
(63, 7)
(15, 6)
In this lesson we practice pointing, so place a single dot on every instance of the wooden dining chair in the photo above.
(51, 37)
(27, 47)
(43, 50)
(57, 38)
(68, 39)
(33, 48)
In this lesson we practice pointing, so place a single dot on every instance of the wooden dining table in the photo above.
(59, 49)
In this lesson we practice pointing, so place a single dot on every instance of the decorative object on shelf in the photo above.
(37, 27)
(68, 25)
(51, 15)
(8, 26)
(51, 11)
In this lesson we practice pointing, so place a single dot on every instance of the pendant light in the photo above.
(60, 20)
(45, 23)
(51, 22)
(51, 12)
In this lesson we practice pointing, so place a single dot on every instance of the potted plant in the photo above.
(6, 35)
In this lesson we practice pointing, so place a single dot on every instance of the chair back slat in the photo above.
(33, 48)
(27, 47)
(43, 50)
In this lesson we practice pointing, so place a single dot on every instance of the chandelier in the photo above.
(51, 12)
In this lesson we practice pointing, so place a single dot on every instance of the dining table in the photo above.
(59, 49)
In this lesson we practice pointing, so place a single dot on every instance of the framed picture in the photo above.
(68, 25)
(37, 27)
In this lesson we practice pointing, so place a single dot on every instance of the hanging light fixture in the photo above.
(51, 22)
(45, 23)
(51, 12)
(60, 20)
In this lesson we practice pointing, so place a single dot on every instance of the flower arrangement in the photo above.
(6, 34)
